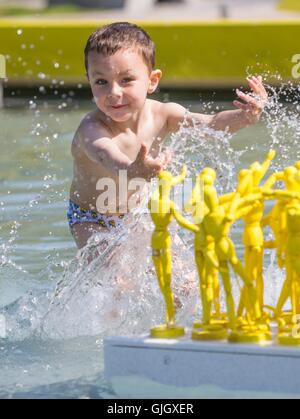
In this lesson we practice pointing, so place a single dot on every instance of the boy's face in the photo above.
(120, 83)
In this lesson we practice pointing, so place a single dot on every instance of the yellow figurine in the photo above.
(291, 287)
(277, 220)
(215, 252)
(289, 335)
(253, 237)
(212, 325)
(217, 225)
(162, 211)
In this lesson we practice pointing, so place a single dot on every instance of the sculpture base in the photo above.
(214, 323)
(209, 335)
(287, 339)
(167, 332)
(142, 367)
(250, 337)
(251, 332)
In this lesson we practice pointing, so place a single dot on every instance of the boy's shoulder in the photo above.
(93, 120)
(165, 108)
(92, 126)
(171, 113)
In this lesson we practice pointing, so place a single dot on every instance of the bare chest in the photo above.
(129, 143)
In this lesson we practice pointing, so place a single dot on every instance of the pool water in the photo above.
(51, 352)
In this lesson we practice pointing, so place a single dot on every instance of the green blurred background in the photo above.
(200, 43)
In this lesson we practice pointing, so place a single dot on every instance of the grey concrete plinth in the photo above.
(146, 367)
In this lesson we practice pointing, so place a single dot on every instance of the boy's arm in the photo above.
(249, 111)
(105, 151)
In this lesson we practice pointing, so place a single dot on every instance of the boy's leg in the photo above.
(83, 231)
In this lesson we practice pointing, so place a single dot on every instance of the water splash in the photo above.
(106, 293)
(200, 147)
(116, 292)
(282, 121)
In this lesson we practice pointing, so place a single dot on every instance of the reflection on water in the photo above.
(55, 303)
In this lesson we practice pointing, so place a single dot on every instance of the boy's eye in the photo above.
(127, 80)
(101, 82)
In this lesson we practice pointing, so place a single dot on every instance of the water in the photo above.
(57, 306)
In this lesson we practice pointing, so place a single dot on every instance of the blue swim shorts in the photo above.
(76, 214)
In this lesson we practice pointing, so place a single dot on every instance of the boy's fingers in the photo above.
(240, 105)
(166, 159)
(142, 153)
(253, 86)
(156, 170)
(257, 86)
(252, 79)
(257, 79)
(155, 164)
(169, 154)
(246, 98)
(264, 94)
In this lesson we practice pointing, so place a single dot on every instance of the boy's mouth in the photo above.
(118, 106)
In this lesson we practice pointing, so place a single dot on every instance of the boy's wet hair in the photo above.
(122, 35)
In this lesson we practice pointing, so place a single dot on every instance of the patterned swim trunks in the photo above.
(76, 214)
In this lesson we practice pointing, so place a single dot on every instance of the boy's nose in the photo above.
(115, 91)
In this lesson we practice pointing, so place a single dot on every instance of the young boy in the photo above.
(124, 132)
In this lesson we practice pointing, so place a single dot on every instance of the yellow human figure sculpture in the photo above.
(287, 199)
(212, 328)
(286, 335)
(162, 211)
(278, 222)
(253, 237)
(293, 271)
(276, 219)
(212, 325)
(217, 225)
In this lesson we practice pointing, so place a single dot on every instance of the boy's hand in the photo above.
(255, 101)
(146, 166)
(166, 158)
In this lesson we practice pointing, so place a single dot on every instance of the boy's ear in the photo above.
(155, 77)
